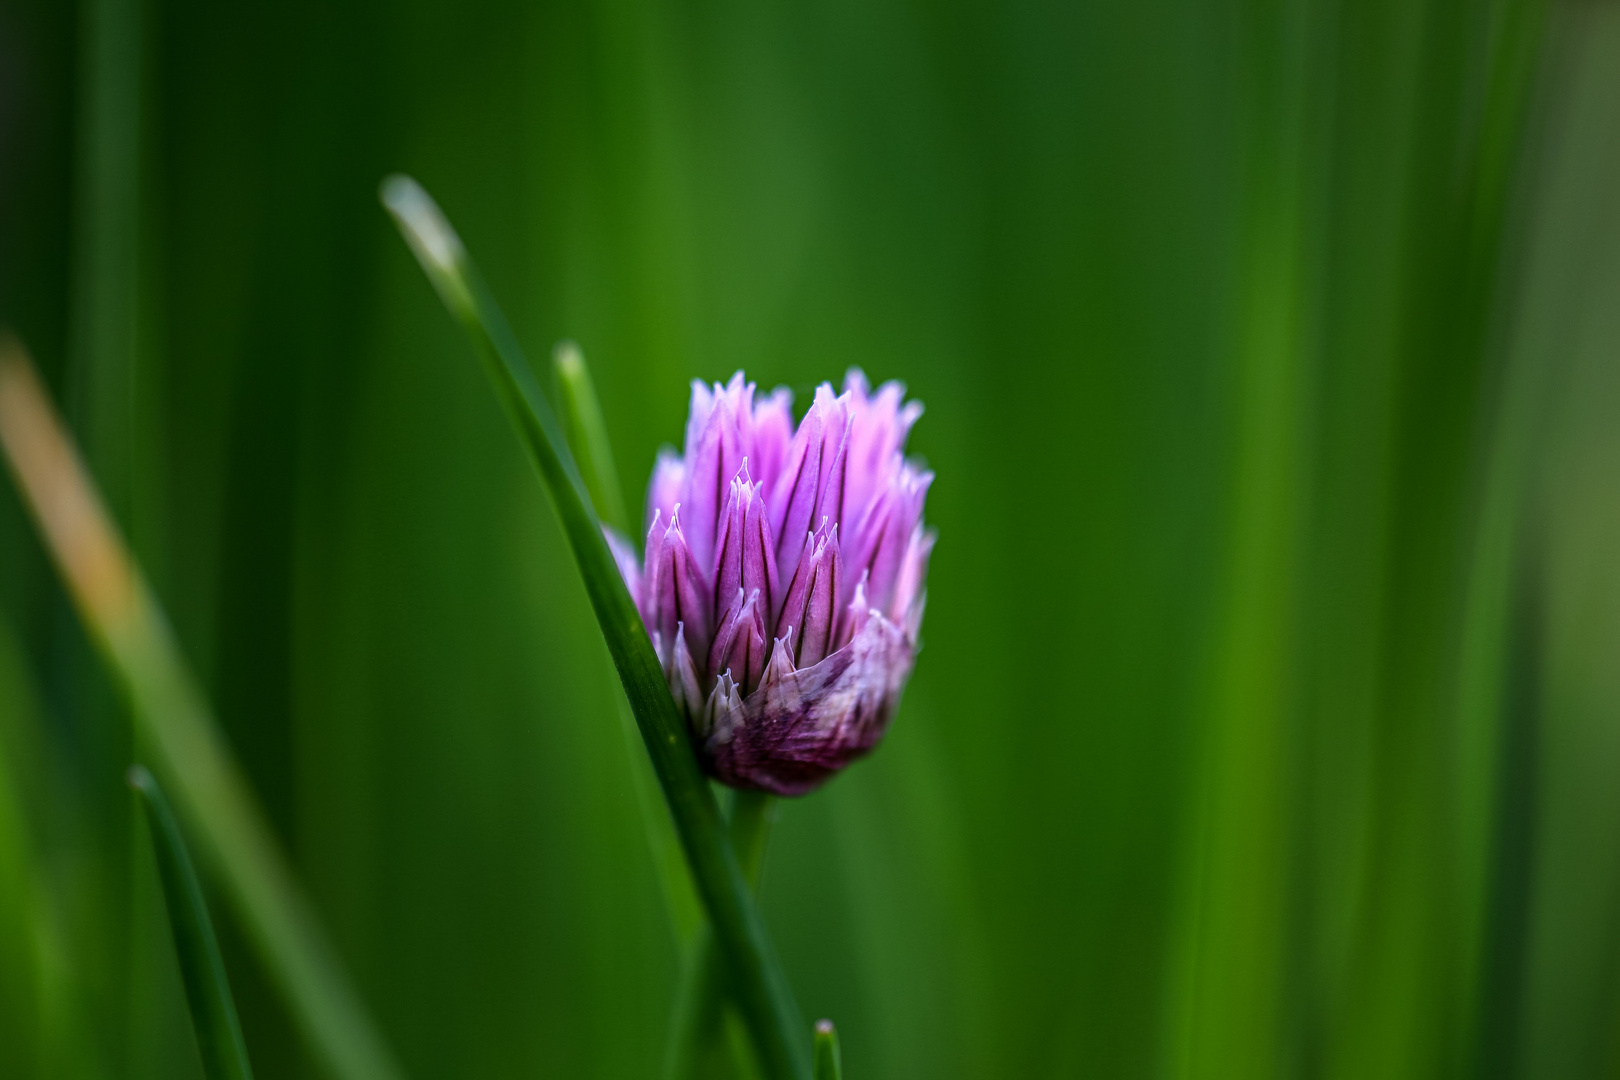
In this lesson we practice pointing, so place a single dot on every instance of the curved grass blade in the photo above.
(761, 989)
(202, 969)
(213, 797)
(581, 414)
(829, 1063)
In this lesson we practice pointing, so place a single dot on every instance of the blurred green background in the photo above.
(1269, 719)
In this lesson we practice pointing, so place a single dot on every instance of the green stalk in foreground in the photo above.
(698, 1043)
(202, 969)
(761, 990)
(172, 721)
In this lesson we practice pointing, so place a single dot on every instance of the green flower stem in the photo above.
(172, 721)
(698, 1043)
(829, 1063)
(202, 969)
(761, 989)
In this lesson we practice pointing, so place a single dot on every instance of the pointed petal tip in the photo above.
(780, 664)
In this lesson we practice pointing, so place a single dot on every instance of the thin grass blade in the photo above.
(202, 969)
(581, 415)
(829, 1063)
(171, 717)
(587, 433)
(762, 991)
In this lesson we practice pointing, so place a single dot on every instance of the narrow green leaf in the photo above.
(22, 918)
(829, 1065)
(762, 991)
(172, 719)
(581, 416)
(202, 969)
(106, 269)
(587, 433)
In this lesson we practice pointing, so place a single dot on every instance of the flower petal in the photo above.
(713, 455)
(728, 542)
(625, 556)
(683, 677)
(906, 606)
(834, 456)
(668, 487)
(724, 710)
(794, 498)
(675, 592)
(771, 437)
(739, 644)
(812, 599)
(879, 425)
(889, 545)
(856, 615)
(780, 665)
(759, 572)
(747, 554)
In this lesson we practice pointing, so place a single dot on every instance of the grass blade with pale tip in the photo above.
(761, 989)
(829, 1064)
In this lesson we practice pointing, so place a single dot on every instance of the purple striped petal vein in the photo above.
(782, 577)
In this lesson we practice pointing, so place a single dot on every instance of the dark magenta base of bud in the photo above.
(781, 777)
(793, 756)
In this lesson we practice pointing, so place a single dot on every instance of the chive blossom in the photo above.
(782, 576)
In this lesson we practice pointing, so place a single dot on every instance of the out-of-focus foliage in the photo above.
(1269, 720)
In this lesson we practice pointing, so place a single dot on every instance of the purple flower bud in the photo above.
(782, 578)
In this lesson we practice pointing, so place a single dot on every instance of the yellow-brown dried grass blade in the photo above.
(183, 743)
